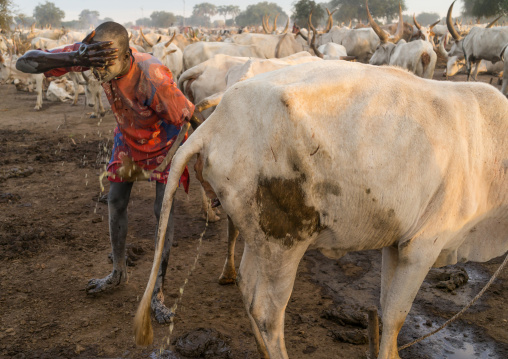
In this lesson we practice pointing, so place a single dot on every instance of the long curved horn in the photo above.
(329, 23)
(493, 22)
(383, 36)
(314, 32)
(311, 27)
(264, 25)
(441, 49)
(275, 23)
(313, 45)
(434, 24)
(268, 27)
(302, 35)
(159, 39)
(144, 37)
(449, 24)
(287, 27)
(171, 40)
(418, 26)
(400, 27)
(130, 37)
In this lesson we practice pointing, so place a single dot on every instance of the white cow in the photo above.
(199, 52)
(481, 44)
(61, 90)
(170, 55)
(270, 46)
(23, 81)
(93, 91)
(341, 157)
(416, 56)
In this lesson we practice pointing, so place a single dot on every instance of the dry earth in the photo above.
(54, 238)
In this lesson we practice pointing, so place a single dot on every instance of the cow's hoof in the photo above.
(162, 313)
(101, 285)
(37, 108)
(227, 280)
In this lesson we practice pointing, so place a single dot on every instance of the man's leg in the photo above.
(118, 199)
(161, 312)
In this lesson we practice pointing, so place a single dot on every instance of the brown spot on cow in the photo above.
(425, 59)
(386, 227)
(283, 214)
(325, 188)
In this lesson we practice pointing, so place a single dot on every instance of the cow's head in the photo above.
(454, 57)
(387, 43)
(162, 50)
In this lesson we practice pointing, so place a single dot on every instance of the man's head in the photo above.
(112, 31)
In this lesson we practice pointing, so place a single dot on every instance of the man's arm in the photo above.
(98, 54)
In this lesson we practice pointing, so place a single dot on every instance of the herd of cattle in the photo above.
(189, 54)
(303, 152)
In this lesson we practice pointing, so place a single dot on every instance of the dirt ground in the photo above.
(54, 238)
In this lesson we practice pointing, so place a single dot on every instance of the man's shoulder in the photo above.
(152, 69)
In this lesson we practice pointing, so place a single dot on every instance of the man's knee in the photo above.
(118, 196)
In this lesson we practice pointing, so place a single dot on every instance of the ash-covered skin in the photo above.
(98, 54)
(120, 66)
(118, 199)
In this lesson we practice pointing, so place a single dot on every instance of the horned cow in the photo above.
(387, 160)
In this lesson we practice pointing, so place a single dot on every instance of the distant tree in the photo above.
(427, 18)
(355, 9)
(302, 9)
(234, 10)
(223, 10)
(106, 19)
(48, 14)
(218, 23)
(73, 24)
(5, 14)
(88, 17)
(23, 20)
(198, 20)
(144, 21)
(485, 8)
(253, 15)
(204, 9)
(162, 18)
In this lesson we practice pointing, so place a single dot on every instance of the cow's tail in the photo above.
(143, 331)
(428, 60)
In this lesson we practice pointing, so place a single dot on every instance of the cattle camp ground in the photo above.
(54, 237)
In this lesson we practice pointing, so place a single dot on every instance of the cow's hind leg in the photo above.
(403, 274)
(266, 285)
(228, 275)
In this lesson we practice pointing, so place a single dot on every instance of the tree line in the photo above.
(49, 14)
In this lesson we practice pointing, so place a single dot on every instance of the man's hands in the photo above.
(99, 54)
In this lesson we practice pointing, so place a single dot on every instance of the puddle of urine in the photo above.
(451, 343)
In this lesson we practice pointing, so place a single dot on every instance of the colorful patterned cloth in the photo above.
(149, 110)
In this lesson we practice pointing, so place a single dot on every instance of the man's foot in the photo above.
(105, 284)
(162, 313)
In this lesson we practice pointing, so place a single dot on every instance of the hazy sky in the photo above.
(130, 10)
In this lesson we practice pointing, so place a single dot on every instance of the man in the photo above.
(149, 110)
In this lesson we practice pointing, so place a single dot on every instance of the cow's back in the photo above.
(371, 156)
